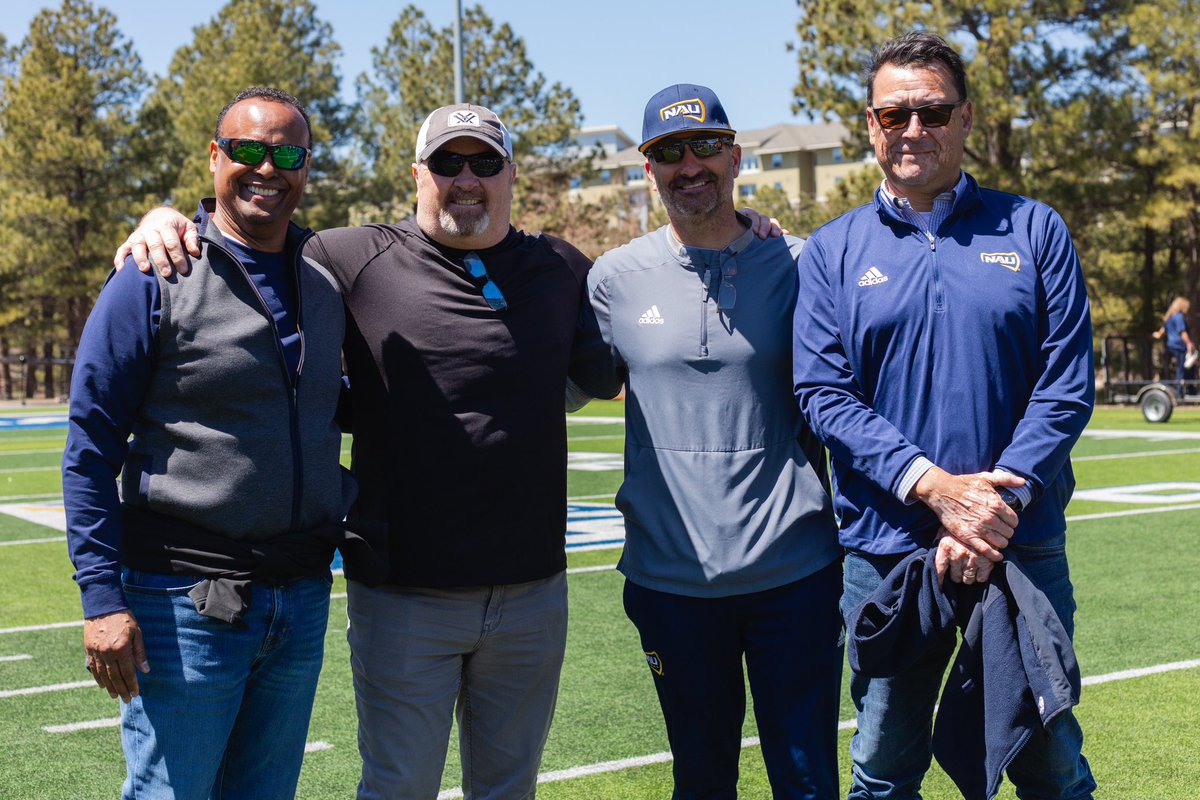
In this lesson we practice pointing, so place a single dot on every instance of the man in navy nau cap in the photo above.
(731, 549)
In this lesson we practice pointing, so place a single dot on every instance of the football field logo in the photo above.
(691, 109)
(1007, 260)
(656, 665)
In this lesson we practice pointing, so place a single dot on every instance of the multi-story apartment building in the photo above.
(804, 161)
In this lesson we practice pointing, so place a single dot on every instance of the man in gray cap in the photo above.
(459, 337)
(731, 549)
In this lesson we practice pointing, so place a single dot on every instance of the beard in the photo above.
(699, 204)
(465, 222)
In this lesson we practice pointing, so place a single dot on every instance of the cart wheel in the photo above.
(1157, 405)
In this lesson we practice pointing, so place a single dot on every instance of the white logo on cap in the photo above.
(462, 118)
(692, 109)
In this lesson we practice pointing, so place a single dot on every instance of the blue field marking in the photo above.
(33, 422)
(594, 526)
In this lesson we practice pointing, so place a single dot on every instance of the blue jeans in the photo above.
(791, 637)
(892, 748)
(490, 654)
(1181, 373)
(223, 712)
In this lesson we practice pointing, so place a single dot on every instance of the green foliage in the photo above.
(414, 74)
(68, 163)
(281, 43)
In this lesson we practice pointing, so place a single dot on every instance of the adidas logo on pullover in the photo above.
(872, 277)
(652, 317)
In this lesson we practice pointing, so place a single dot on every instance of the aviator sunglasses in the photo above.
(448, 165)
(672, 153)
(934, 115)
(491, 292)
(252, 152)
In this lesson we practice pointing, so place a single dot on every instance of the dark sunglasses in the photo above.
(448, 165)
(934, 115)
(252, 152)
(672, 153)
(491, 292)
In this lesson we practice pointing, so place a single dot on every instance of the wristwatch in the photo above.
(1010, 498)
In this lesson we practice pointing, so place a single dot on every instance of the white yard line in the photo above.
(47, 627)
(52, 451)
(1139, 454)
(1152, 436)
(20, 657)
(1133, 512)
(53, 687)
(595, 420)
(34, 541)
(56, 468)
(90, 725)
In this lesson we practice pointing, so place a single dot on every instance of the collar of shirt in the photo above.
(930, 220)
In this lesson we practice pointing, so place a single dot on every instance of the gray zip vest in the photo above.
(223, 439)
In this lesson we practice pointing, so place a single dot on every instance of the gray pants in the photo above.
(489, 655)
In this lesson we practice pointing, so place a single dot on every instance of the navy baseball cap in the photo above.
(683, 108)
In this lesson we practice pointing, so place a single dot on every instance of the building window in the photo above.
(576, 182)
(633, 174)
(606, 176)
(779, 185)
(837, 155)
(746, 190)
(750, 164)
(776, 160)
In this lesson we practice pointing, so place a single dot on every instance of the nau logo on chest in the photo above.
(692, 109)
(1007, 260)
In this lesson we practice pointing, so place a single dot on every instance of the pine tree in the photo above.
(413, 73)
(279, 43)
(67, 171)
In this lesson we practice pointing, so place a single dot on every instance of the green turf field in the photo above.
(1138, 642)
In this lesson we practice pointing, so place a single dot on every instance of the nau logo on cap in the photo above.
(1007, 260)
(462, 118)
(654, 661)
(692, 109)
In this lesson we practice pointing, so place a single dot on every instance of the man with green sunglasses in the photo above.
(205, 583)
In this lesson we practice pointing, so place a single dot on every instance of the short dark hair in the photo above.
(266, 93)
(921, 48)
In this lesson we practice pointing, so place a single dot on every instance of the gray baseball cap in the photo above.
(463, 119)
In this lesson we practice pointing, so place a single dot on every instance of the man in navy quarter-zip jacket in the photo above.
(205, 585)
(730, 549)
(943, 354)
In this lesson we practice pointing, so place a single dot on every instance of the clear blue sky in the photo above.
(614, 55)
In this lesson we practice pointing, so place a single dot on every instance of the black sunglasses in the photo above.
(448, 165)
(491, 292)
(934, 115)
(252, 152)
(672, 153)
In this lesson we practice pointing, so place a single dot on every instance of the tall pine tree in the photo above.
(67, 171)
(279, 43)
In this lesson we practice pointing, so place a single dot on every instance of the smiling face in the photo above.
(255, 203)
(694, 189)
(919, 162)
(465, 211)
